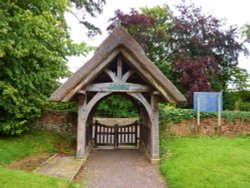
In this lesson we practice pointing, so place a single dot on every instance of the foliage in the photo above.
(60, 107)
(244, 106)
(229, 100)
(34, 45)
(116, 106)
(149, 29)
(29, 144)
(205, 52)
(196, 51)
(172, 114)
(240, 79)
(206, 161)
(237, 100)
(177, 115)
(246, 31)
(92, 7)
(236, 115)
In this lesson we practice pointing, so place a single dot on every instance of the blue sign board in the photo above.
(208, 101)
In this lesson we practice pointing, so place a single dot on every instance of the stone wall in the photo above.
(66, 123)
(60, 122)
(207, 127)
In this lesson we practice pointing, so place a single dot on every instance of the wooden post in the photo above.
(81, 127)
(154, 128)
(116, 136)
(96, 127)
(198, 114)
(142, 121)
(119, 69)
(136, 133)
(219, 116)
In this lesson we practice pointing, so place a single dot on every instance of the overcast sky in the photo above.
(236, 12)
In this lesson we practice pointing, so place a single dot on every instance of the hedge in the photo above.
(177, 115)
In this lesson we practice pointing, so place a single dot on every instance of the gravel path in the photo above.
(121, 169)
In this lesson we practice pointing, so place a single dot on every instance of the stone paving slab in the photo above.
(62, 166)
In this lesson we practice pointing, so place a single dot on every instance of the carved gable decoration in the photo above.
(118, 65)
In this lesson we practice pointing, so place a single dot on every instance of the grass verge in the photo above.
(32, 143)
(206, 162)
(20, 179)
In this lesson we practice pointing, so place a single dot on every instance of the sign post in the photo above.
(218, 130)
(208, 102)
(198, 114)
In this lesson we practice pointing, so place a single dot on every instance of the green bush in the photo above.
(60, 107)
(229, 100)
(244, 106)
(116, 106)
(236, 115)
(237, 100)
(177, 115)
(172, 114)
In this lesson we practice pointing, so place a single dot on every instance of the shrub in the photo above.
(237, 100)
(177, 115)
(60, 107)
(244, 106)
(116, 106)
(172, 114)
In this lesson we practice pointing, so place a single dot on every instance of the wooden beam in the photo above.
(155, 127)
(144, 102)
(111, 75)
(82, 92)
(92, 74)
(127, 75)
(81, 127)
(144, 73)
(118, 87)
(94, 100)
(119, 68)
(84, 110)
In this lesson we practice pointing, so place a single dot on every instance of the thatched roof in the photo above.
(118, 42)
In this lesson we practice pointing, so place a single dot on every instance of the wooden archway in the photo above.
(119, 84)
(119, 65)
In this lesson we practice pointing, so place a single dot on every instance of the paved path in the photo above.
(121, 169)
(61, 166)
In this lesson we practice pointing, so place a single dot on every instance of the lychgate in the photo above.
(119, 66)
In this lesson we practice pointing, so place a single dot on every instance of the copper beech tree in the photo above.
(197, 52)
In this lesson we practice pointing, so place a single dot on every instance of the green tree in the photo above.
(34, 44)
(150, 29)
(246, 31)
(196, 51)
(240, 80)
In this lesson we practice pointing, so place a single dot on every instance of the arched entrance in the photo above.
(136, 89)
(119, 65)
(137, 134)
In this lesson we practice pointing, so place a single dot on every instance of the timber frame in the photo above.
(119, 66)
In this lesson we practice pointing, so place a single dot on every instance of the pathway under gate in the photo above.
(126, 168)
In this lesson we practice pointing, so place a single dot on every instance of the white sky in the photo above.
(236, 12)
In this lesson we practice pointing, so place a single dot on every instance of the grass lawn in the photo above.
(33, 143)
(20, 179)
(204, 162)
